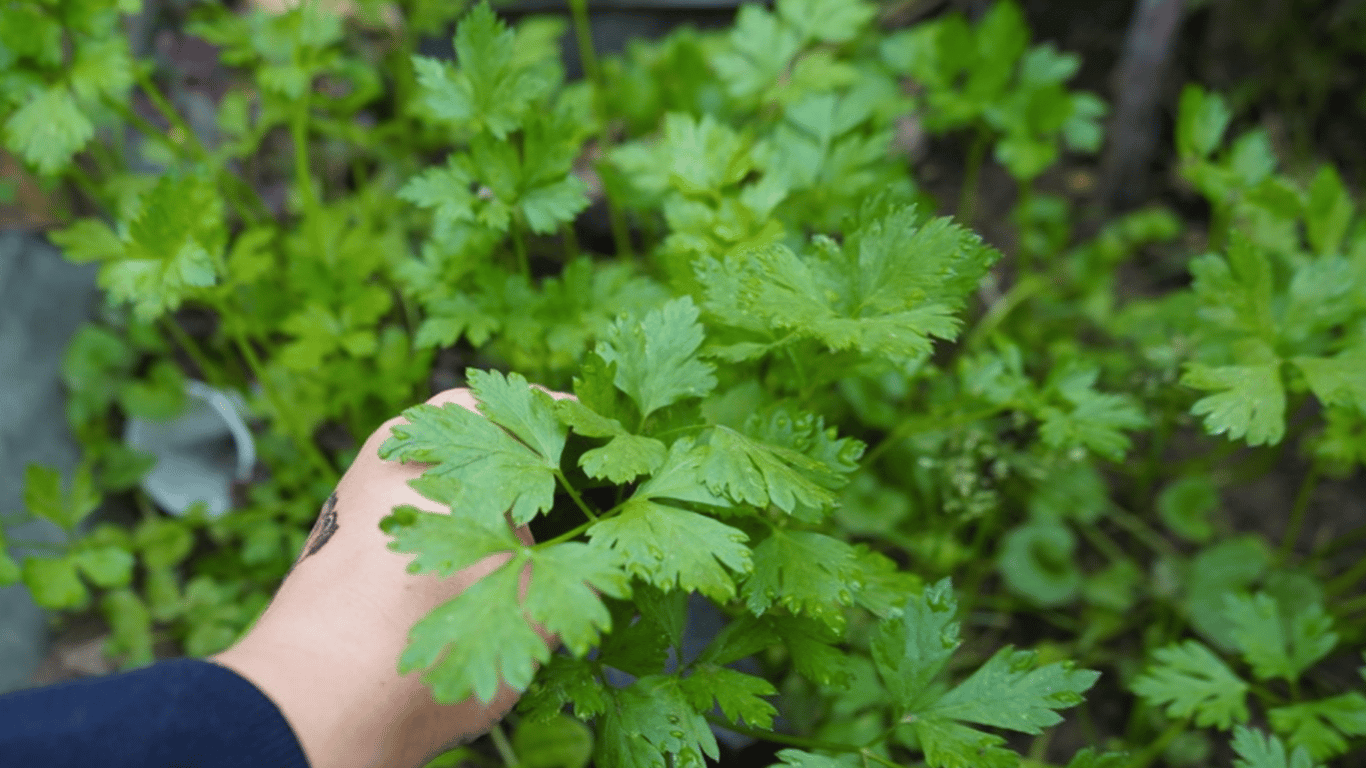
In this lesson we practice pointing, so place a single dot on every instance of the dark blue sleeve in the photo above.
(177, 713)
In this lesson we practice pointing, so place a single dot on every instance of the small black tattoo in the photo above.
(323, 528)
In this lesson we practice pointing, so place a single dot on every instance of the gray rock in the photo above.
(43, 300)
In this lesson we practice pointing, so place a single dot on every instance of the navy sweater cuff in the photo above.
(177, 713)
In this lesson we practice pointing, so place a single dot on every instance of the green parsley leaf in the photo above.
(624, 457)
(1191, 681)
(912, 650)
(1279, 642)
(505, 647)
(564, 680)
(173, 246)
(1095, 420)
(799, 759)
(1337, 380)
(892, 286)
(498, 471)
(656, 356)
(490, 89)
(752, 472)
(48, 130)
(807, 573)
(1008, 692)
(1203, 118)
(102, 68)
(1321, 726)
(1257, 750)
(736, 692)
(828, 21)
(54, 584)
(650, 724)
(1248, 400)
(106, 567)
(674, 548)
(446, 543)
(561, 597)
(760, 48)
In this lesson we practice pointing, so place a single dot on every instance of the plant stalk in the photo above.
(500, 743)
(306, 444)
(573, 494)
(967, 198)
(1295, 525)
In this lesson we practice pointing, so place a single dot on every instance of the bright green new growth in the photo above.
(1008, 691)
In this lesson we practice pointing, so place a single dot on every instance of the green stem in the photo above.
(571, 242)
(1102, 541)
(1348, 578)
(1024, 288)
(588, 57)
(583, 32)
(519, 248)
(500, 743)
(306, 444)
(1349, 607)
(1338, 543)
(1141, 531)
(912, 427)
(967, 199)
(1297, 513)
(163, 106)
(782, 738)
(573, 494)
(1158, 745)
(211, 373)
(303, 177)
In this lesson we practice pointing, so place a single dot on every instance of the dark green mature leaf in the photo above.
(1322, 726)
(624, 457)
(1257, 750)
(497, 471)
(674, 548)
(656, 356)
(1248, 400)
(800, 759)
(805, 572)
(561, 597)
(565, 680)
(911, 651)
(752, 472)
(650, 722)
(1191, 681)
(1009, 692)
(736, 692)
(1279, 641)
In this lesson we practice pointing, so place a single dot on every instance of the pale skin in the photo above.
(326, 649)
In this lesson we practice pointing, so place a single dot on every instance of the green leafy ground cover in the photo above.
(962, 508)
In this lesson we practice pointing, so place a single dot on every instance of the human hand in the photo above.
(326, 649)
